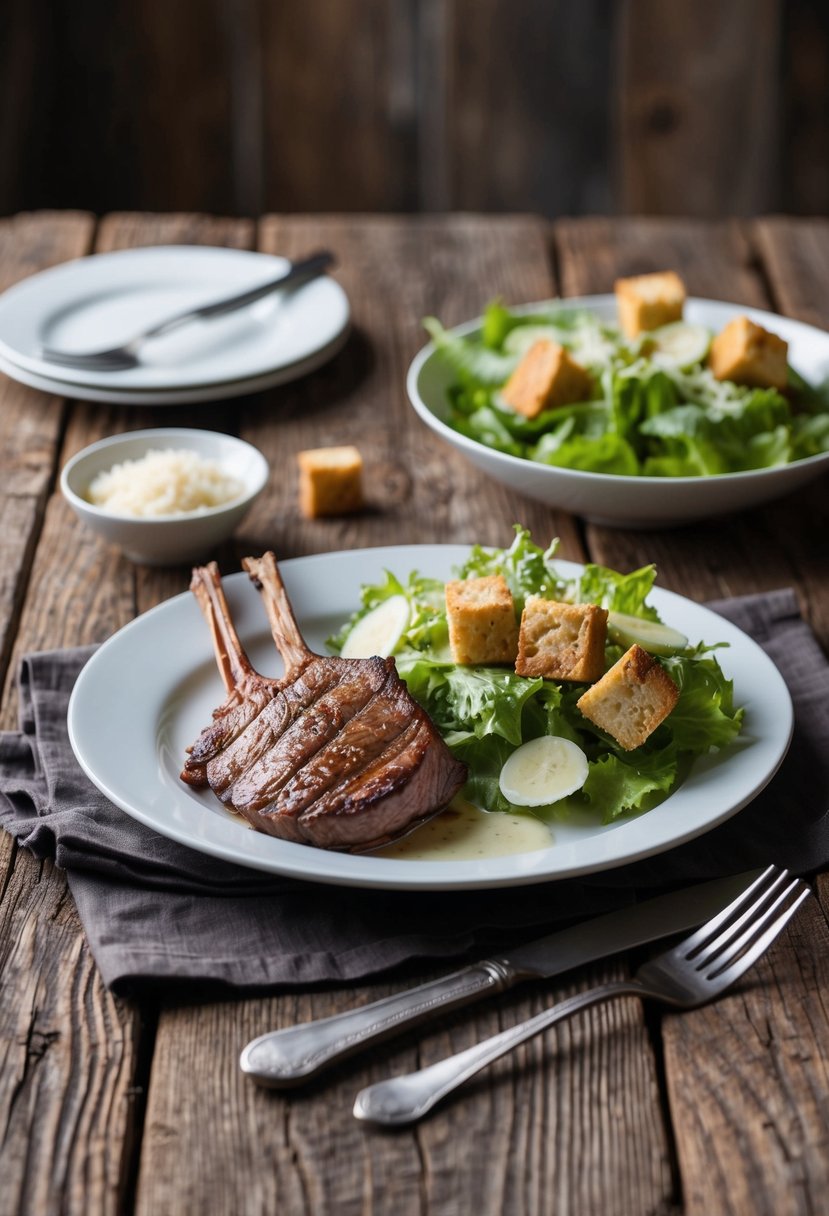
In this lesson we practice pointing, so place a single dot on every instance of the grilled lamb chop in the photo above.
(335, 754)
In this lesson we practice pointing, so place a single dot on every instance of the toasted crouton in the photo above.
(647, 301)
(546, 377)
(748, 354)
(482, 624)
(330, 481)
(561, 641)
(631, 699)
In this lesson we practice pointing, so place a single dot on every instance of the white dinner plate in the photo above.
(97, 302)
(149, 691)
(180, 396)
(613, 499)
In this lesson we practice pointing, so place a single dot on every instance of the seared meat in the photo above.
(335, 754)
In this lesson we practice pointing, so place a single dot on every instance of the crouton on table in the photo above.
(330, 481)
(561, 641)
(546, 377)
(631, 699)
(748, 354)
(482, 624)
(647, 301)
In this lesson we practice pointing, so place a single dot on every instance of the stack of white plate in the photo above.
(98, 302)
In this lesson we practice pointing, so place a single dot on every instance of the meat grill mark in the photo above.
(369, 733)
(284, 707)
(291, 751)
(336, 753)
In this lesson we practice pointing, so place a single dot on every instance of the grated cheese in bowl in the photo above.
(170, 481)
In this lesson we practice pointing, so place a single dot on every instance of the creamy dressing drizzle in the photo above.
(463, 832)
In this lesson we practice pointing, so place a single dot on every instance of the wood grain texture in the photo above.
(722, 1110)
(599, 1087)
(68, 1053)
(525, 125)
(698, 113)
(584, 1092)
(244, 105)
(795, 255)
(396, 271)
(716, 259)
(133, 105)
(70, 1050)
(31, 421)
(522, 1138)
(748, 1078)
(804, 163)
(95, 595)
(337, 120)
(750, 1116)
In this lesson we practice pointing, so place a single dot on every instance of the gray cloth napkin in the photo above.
(156, 911)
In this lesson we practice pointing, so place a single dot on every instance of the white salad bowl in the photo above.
(613, 499)
(165, 540)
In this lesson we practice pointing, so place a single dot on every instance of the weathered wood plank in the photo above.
(748, 1078)
(803, 168)
(594, 1083)
(30, 422)
(220, 1143)
(525, 123)
(795, 257)
(574, 1121)
(416, 105)
(156, 133)
(71, 1050)
(590, 1082)
(677, 154)
(68, 1053)
(396, 272)
(95, 593)
(338, 112)
(746, 1054)
(522, 1138)
(593, 252)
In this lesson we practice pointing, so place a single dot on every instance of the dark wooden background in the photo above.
(239, 107)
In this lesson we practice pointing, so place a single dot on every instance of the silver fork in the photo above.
(121, 358)
(698, 969)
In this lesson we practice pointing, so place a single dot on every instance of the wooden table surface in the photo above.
(116, 1106)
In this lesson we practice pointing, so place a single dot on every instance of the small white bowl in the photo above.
(165, 540)
(615, 500)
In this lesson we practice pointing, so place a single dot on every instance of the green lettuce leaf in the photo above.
(646, 420)
(484, 713)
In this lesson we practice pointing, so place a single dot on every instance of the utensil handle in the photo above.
(307, 268)
(287, 1057)
(407, 1098)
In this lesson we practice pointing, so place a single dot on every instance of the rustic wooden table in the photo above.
(108, 1105)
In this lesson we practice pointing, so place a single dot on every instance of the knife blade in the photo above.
(295, 1054)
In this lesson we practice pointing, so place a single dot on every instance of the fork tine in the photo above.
(723, 976)
(732, 944)
(698, 940)
(716, 942)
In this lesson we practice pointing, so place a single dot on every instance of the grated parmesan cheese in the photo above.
(172, 481)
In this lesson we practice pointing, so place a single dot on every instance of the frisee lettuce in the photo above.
(645, 419)
(484, 713)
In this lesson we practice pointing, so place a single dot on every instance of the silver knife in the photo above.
(297, 1053)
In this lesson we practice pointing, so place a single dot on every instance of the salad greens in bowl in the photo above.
(487, 713)
(660, 441)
